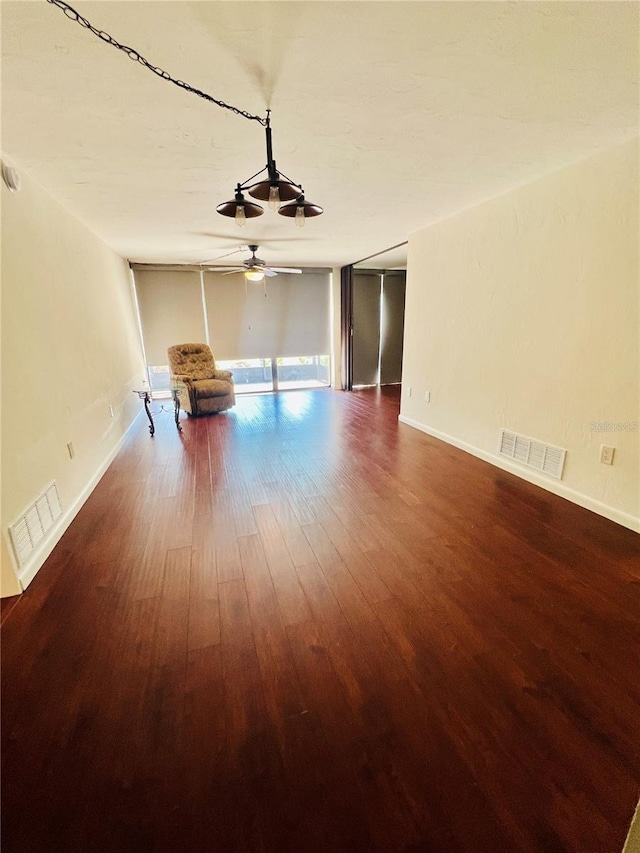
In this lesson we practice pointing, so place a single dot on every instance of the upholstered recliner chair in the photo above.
(206, 390)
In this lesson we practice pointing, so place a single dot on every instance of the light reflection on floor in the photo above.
(267, 387)
(294, 404)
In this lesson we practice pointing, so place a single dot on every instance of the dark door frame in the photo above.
(346, 316)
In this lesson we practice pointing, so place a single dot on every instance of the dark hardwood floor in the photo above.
(303, 627)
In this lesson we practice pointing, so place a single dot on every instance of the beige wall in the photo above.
(70, 349)
(523, 313)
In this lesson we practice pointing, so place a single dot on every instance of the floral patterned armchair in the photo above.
(206, 390)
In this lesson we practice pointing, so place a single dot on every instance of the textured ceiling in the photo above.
(392, 115)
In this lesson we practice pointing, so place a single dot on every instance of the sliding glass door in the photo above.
(377, 327)
(366, 328)
(272, 337)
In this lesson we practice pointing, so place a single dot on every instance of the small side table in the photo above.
(145, 396)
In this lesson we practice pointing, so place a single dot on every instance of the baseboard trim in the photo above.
(557, 488)
(28, 572)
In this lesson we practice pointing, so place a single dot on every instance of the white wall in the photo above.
(523, 313)
(70, 348)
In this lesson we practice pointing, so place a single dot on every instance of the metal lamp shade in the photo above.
(291, 208)
(287, 190)
(229, 208)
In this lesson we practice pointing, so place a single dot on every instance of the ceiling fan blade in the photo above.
(285, 269)
(232, 272)
(269, 272)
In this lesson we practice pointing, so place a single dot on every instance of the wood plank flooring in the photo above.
(301, 626)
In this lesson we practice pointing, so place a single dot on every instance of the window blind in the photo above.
(366, 327)
(392, 326)
(171, 311)
(291, 320)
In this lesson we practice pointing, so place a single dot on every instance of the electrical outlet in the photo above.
(409, 391)
(111, 412)
(70, 450)
(606, 454)
(427, 396)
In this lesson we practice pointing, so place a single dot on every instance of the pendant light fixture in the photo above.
(275, 188)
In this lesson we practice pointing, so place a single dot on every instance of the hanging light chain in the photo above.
(133, 54)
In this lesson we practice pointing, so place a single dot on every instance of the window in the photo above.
(255, 375)
(303, 372)
(159, 378)
(272, 338)
(250, 375)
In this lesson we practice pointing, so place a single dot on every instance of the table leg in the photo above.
(176, 406)
(152, 428)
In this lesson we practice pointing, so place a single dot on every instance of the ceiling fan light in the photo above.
(254, 275)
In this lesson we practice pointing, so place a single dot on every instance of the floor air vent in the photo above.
(542, 457)
(31, 529)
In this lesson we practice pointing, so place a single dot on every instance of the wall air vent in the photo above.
(545, 458)
(33, 526)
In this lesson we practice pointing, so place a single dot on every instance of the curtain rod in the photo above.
(134, 265)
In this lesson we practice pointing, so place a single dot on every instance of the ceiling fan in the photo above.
(254, 268)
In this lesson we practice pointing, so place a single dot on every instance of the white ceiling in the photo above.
(392, 115)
